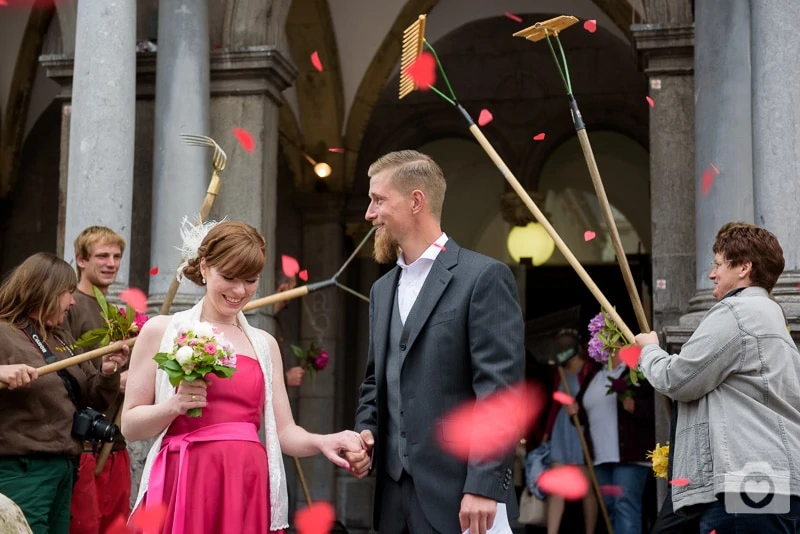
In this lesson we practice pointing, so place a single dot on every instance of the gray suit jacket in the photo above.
(464, 339)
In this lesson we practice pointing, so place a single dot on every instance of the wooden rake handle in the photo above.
(526, 199)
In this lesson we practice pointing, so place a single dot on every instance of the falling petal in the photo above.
(611, 491)
(630, 355)
(154, 271)
(708, 180)
(135, 298)
(490, 427)
(566, 481)
(539, 137)
(563, 398)
(244, 138)
(149, 519)
(423, 71)
(716, 170)
(441, 247)
(337, 150)
(316, 61)
(485, 117)
(513, 17)
(590, 26)
(680, 482)
(588, 235)
(290, 265)
(315, 519)
(650, 101)
(303, 275)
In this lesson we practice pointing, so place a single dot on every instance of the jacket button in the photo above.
(402, 346)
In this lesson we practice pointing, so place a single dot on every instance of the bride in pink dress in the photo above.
(212, 474)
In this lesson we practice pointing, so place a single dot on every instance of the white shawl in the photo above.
(279, 504)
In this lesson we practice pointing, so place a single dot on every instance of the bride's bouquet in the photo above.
(198, 350)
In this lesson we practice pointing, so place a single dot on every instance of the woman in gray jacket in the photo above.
(736, 454)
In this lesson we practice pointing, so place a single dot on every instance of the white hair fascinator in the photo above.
(192, 236)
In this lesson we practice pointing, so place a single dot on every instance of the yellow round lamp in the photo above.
(531, 241)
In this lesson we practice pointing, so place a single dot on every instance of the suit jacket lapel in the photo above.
(383, 317)
(432, 290)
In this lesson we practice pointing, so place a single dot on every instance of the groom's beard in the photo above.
(385, 248)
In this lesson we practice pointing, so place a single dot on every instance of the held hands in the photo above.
(651, 338)
(360, 460)
(113, 362)
(333, 445)
(18, 375)
(190, 395)
(477, 513)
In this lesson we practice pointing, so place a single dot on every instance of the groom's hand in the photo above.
(477, 513)
(360, 460)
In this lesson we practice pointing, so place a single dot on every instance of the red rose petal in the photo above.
(154, 271)
(316, 61)
(315, 519)
(135, 298)
(150, 519)
(337, 150)
(118, 526)
(680, 482)
(513, 17)
(563, 398)
(708, 181)
(441, 247)
(485, 117)
(650, 101)
(539, 137)
(630, 355)
(289, 265)
(244, 138)
(423, 71)
(492, 426)
(588, 235)
(566, 481)
(716, 170)
(303, 275)
(611, 491)
(590, 26)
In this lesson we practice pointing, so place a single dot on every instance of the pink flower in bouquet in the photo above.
(181, 339)
(210, 348)
(230, 361)
(140, 319)
(321, 361)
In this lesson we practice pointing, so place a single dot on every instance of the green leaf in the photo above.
(161, 357)
(91, 337)
(175, 380)
(298, 351)
(101, 300)
(172, 365)
(634, 379)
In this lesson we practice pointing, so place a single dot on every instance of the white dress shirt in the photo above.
(413, 276)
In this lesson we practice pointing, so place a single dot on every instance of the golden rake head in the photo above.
(553, 26)
(219, 159)
(413, 41)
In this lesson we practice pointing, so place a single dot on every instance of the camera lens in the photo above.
(103, 431)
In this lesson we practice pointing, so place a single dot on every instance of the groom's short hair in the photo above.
(414, 170)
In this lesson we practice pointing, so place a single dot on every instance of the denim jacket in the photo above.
(737, 382)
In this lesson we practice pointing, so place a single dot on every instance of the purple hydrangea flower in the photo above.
(597, 323)
(597, 350)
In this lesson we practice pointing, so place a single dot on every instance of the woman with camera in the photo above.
(738, 404)
(44, 418)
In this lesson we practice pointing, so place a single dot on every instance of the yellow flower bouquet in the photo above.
(660, 458)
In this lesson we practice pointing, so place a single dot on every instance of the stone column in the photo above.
(180, 172)
(776, 87)
(666, 56)
(246, 87)
(322, 256)
(723, 138)
(102, 127)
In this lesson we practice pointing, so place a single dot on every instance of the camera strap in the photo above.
(69, 381)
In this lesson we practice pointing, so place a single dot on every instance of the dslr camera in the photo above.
(88, 425)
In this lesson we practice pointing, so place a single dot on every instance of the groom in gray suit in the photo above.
(445, 328)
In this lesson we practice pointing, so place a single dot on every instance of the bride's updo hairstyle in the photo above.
(234, 248)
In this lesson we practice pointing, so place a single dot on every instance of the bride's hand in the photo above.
(332, 445)
(190, 395)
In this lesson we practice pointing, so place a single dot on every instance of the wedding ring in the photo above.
(115, 366)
